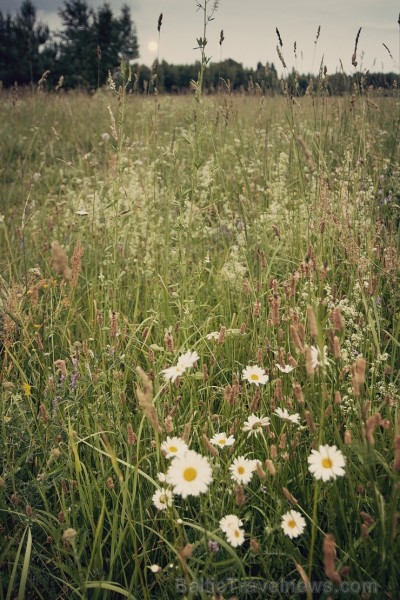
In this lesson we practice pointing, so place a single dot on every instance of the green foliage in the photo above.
(89, 46)
(20, 39)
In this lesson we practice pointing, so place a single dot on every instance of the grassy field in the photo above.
(153, 252)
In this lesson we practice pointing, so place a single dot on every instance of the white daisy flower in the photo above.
(255, 374)
(318, 359)
(222, 440)
(326, 463)
(161, 477)
(285, 369)
(293, 523)
(173, 446)
(190, 475)
(162, 499)
(187, 360)
(242, 469)
(254, 424)
(172, 373)
(235, 536)
(230, 522)
(283, 414)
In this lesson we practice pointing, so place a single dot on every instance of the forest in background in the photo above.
(92, 43)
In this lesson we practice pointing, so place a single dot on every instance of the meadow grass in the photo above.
(133, 227)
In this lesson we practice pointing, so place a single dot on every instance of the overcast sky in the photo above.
(249, 30)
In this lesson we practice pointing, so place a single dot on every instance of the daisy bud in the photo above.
(270, 467)
(330, 559)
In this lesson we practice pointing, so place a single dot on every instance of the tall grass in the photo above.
(240, 215)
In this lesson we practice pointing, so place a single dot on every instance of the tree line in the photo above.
(93, 43)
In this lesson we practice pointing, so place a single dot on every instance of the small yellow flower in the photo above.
(27, 389)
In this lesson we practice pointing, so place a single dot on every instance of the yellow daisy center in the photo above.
(327, 463)
(256, 425)
(173, 449)
(241, 470)
(292, 524)
(236, 533)
(222, 441)
(254, 377)
(189, 474)
(164, 499)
